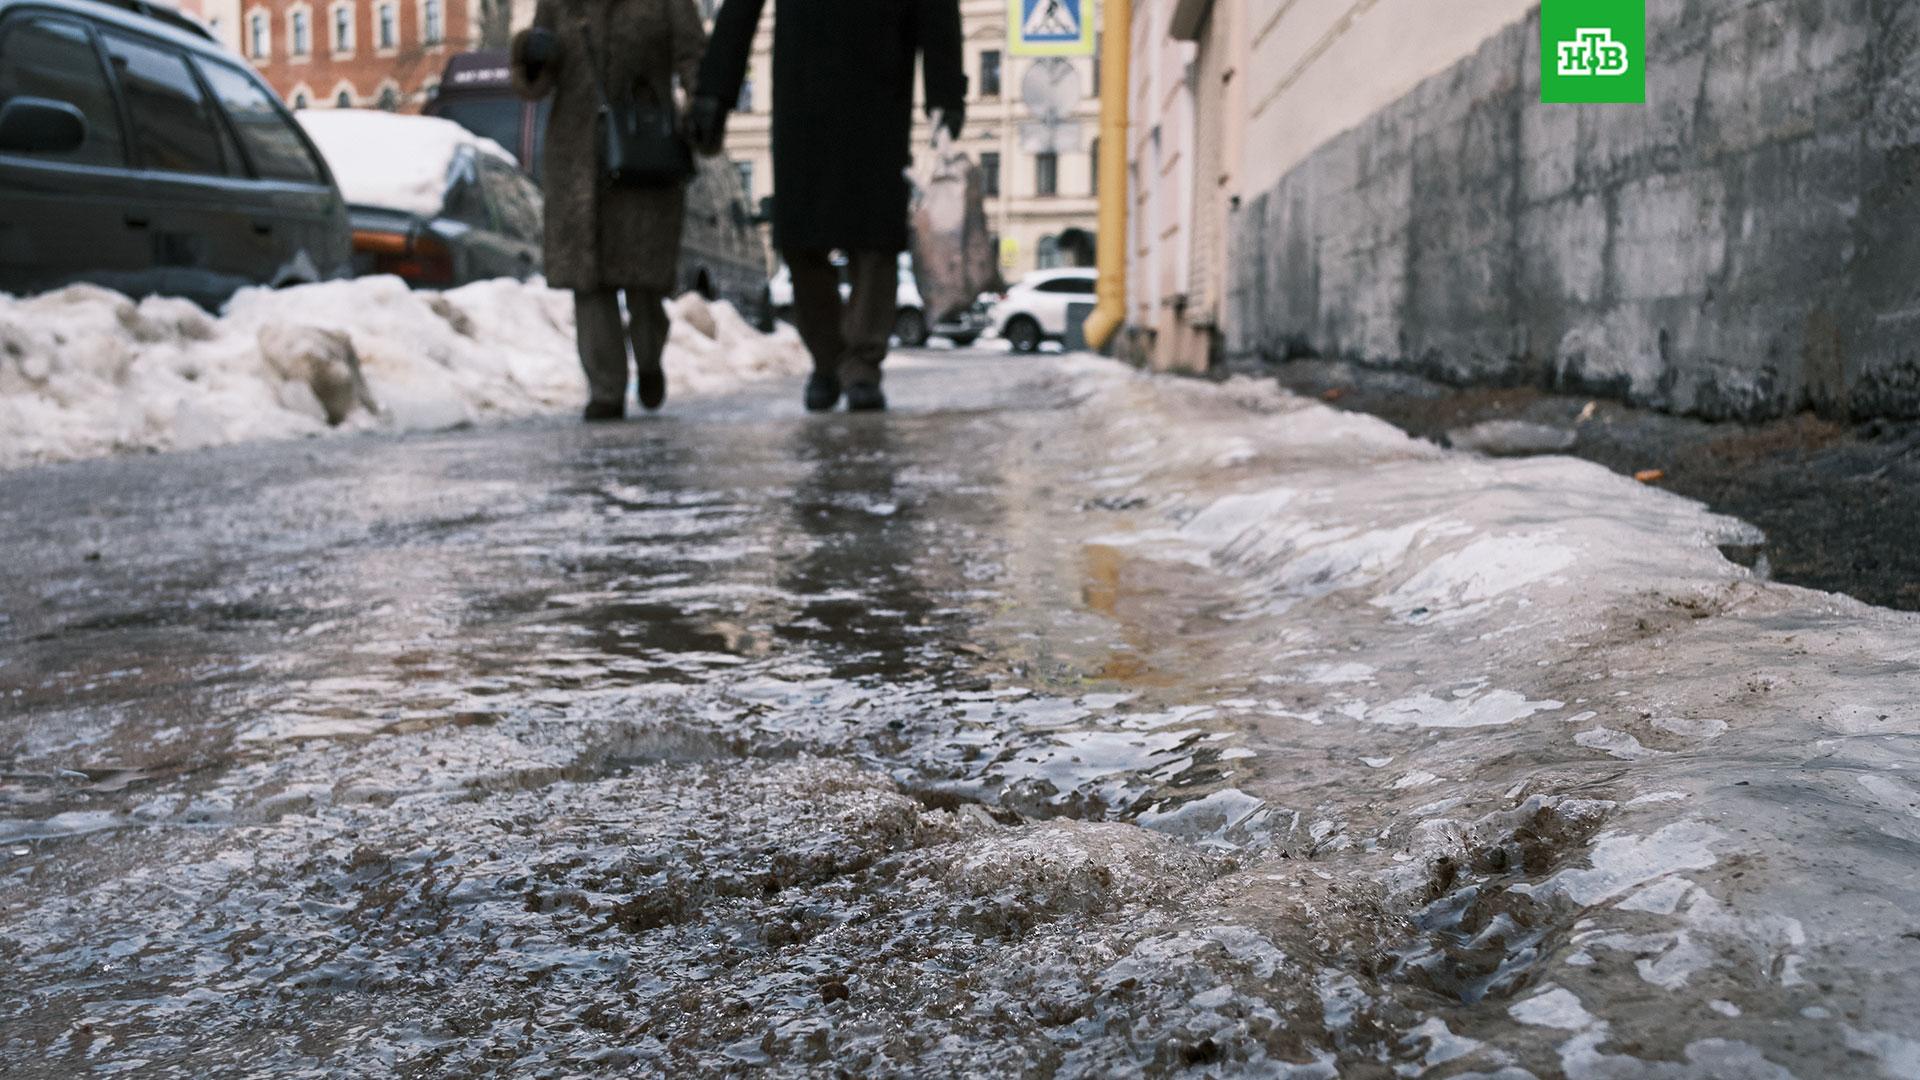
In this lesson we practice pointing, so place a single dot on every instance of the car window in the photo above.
(173, 130)
(1066, 285)
(55, 58)
(515, 201)
(465, 201)
(274, 147)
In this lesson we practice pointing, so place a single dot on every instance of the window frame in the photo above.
(386, 28)
(990, 178)
(324, 176)
(1046, 164)
(432, 11)
(998, 87)
(299, 24)
(260, 34)
(343, 49)
(224, 136)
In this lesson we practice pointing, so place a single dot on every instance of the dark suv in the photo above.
(137, 153)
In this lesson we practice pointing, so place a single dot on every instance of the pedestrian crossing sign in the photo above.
(1050, 27)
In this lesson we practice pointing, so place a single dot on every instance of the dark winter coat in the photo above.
(598, 236)
(842, 108)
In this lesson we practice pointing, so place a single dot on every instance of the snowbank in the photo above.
(85, 371)
(392, 161)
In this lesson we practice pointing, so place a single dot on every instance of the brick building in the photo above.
(384, 54)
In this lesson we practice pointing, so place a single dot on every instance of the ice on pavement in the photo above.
(85, 371)
(1170, 729)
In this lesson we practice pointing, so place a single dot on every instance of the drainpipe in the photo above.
(1110, 311)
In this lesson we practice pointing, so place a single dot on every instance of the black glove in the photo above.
(538, 50)
(952, 116)
(707, 125)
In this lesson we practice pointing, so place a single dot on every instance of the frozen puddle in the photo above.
(1179, 729)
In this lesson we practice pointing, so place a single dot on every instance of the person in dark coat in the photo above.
(602, 240)
(842, 132)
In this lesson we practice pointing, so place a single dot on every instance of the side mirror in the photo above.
(34, 125)
(766, 210)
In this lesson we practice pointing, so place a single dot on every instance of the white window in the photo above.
(343, 30)
(258, 43)
(389, 28)
(299, 35)
(432, 22)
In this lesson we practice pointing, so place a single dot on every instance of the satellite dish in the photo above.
(1051, 88)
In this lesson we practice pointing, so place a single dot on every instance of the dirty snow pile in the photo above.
(85, 371)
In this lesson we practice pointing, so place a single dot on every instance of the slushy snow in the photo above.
(85, 371)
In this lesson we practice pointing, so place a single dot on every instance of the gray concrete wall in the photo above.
(1744, 245)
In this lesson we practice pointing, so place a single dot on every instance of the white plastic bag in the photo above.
(953, 256)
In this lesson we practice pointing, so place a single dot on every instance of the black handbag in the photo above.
(640, 145)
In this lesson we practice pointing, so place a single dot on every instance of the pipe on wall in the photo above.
(1110, 309)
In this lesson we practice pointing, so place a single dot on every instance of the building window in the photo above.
(299, 40)
(300, 100)
(1093, 167)
(389, 99)
(343, 100)
(745, 169)
(258, 45)
(990, 73)
(745, 104)
(389, 27)
(343, 30)
(1046, 173)
(1047, 254)
(433, 22)
(990, 174)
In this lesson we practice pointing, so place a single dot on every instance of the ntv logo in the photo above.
(1593, 52)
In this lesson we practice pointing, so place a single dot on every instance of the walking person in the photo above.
(604, 238)
(842, 135)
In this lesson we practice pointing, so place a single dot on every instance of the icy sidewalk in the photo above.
(1092, 725)
(86, 372)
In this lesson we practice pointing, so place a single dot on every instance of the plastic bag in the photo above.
(954, 260)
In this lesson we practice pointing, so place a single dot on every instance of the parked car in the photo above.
(910, 325)
(721, 255)
(139, 154)
(431, 202)
(1035, 310)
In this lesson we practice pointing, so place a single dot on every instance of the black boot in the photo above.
(653, 388)
(823, 392)
(605, 410)
(865, 397)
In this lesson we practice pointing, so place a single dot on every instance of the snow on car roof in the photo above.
(391, 161)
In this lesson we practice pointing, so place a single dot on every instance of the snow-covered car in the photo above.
(431, 202)
(1036, 309)
(138, 153)
(910, 324)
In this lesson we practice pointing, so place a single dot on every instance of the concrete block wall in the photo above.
(1744, 245)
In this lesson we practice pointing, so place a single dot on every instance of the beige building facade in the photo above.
(1227, 96)
(1037, 162)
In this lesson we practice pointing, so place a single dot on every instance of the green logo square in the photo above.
(1593, 51)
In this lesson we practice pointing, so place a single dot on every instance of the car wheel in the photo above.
(910, 327)
(1022, 333)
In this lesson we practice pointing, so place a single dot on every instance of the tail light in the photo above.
(417, 259)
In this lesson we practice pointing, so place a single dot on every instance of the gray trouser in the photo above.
(603, 341)
(846, 339)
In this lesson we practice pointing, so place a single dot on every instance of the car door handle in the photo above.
(136, 222)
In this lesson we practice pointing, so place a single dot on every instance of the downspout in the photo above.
(1110, 309)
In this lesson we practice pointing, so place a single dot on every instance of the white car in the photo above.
(910, 326)
(1036, 309)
